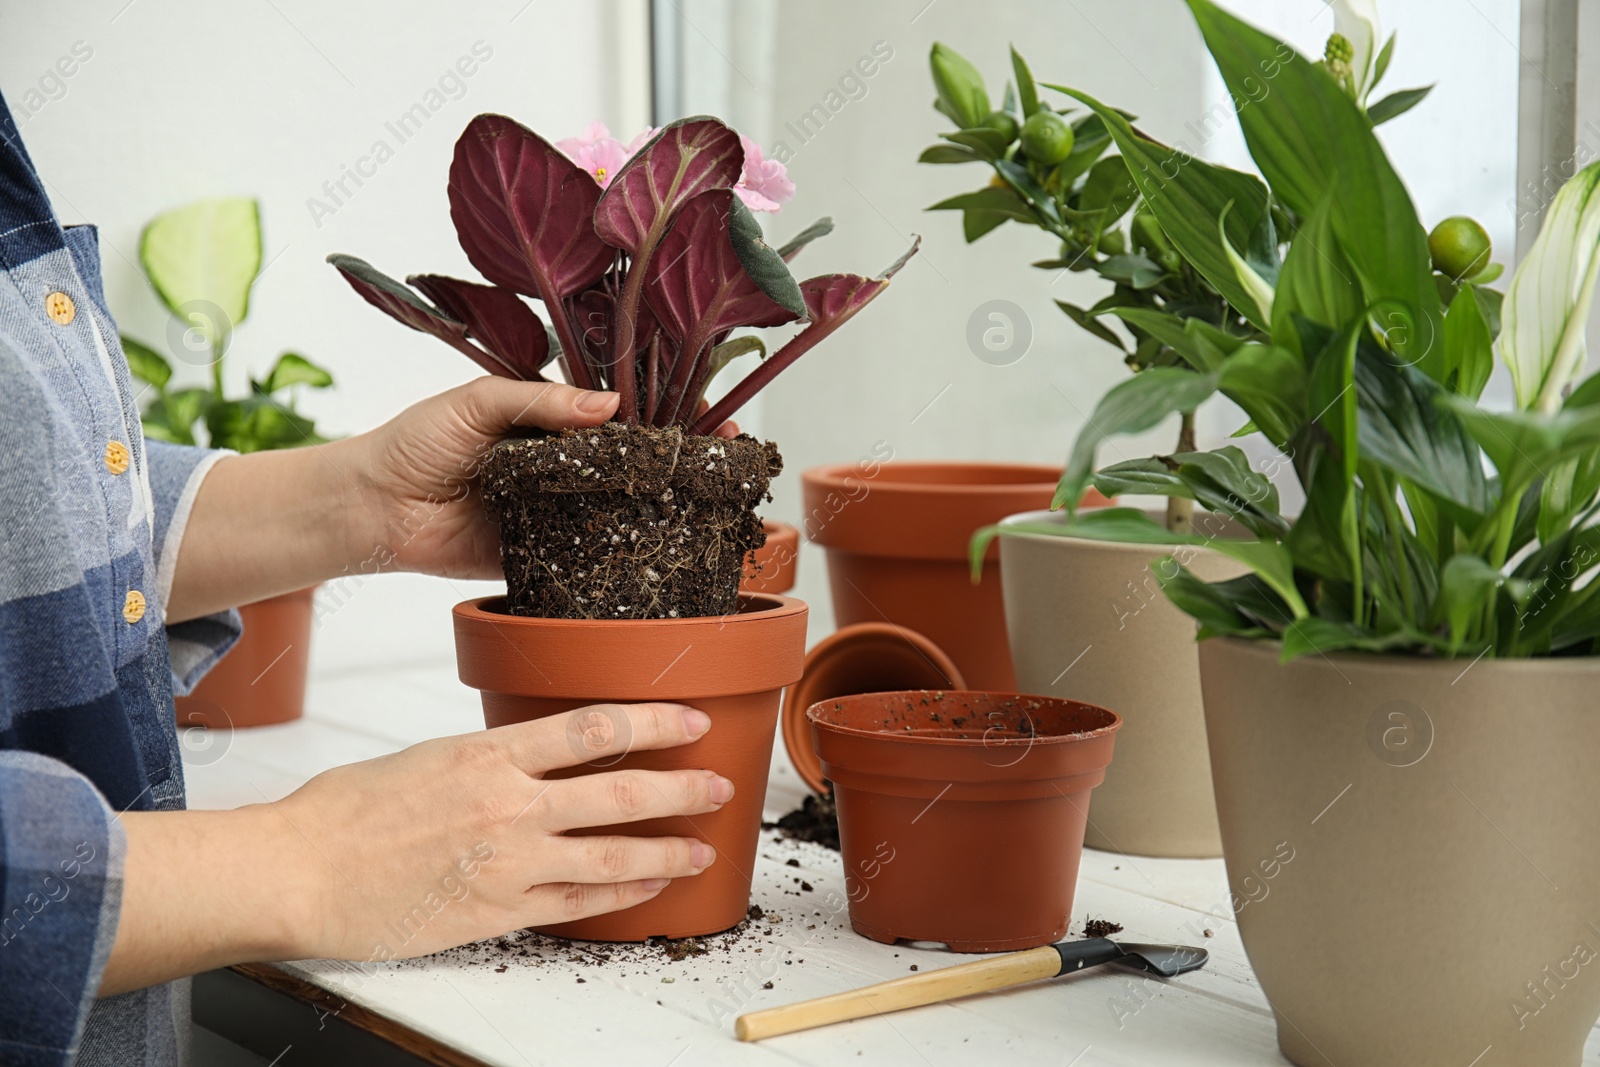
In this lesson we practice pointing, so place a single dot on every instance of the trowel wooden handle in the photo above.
(947, 983)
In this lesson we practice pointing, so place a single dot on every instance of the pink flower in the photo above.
(765, 184)
(597, 152)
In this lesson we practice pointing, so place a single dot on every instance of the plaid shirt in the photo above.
(90, 519)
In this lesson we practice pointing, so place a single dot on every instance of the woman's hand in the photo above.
(401, 497)
(449, 841)
(422, 466)
(419, 472)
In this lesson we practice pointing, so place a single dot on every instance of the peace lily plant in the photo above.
(1398, 682)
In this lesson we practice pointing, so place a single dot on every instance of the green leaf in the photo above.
(1187, 196)
(145, 363)
(989, 198)
(986, 143)
(1109, 189)
(1321, 636)
(1547, 303)
(1381, 67)
(1017, 176)
(1317, 282)
(974, 224)
(949, 153)
(1468, 352)
(295, 369)
(1131, 406)
(1403, 428)
(1523, 445)
(1091, 324)
(1310, 140)
(1148, 476)
(1131, 269)
(1269, 384)
(1027, 92)
(202, 259)
(727, 352)
(1212, 607)
(1169, 330)
(821, 228)
(172, 416)
(1396, 104)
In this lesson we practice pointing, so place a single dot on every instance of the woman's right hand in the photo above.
(449, 841)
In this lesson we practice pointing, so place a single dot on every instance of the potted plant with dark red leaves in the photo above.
(623, 546)
(202, 260)
(1399, 693)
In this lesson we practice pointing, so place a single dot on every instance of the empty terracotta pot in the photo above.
(262, 679)
(869, 657)
(770, 568)
(961, 814)
(896, 536)
(733, 668)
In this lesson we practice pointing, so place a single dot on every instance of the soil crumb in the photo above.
(816, 820)
(1100, 928)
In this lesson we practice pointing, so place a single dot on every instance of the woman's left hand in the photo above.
(421, 470)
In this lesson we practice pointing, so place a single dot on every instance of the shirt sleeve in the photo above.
(176, 472)
(61, 857)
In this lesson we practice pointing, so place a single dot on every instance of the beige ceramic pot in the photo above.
(1409, 851)
(1088, 622)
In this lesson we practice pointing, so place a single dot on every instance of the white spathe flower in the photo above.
(1357, 22)
(1547, 303)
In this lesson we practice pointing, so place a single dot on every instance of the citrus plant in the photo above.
(1181, 300)
(202, 259)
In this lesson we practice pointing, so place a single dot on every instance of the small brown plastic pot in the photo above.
(961, 815)
(869, 657)
(733, 668)
(896, 536)
(771, 568)
(262, 678)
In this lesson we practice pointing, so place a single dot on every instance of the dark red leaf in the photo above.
(495, 317)
(524, 212)
(704, 282)
(831, 301)
(399, 302)
(684, 160)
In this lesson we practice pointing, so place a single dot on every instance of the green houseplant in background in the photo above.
(202, 260)
(1185, 309)
(1401, 686)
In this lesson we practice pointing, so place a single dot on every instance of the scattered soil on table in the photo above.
(1100, 928)
(815, 820)
(530, 948)
(626, 522)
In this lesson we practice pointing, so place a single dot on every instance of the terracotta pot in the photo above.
(1088, 621)
(1407, 849)
(731, 667)
(961, 814)
(770, 568)
(896, 536)
(869, 657)
(262, 679)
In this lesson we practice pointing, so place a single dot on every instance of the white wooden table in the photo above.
(465, 1008)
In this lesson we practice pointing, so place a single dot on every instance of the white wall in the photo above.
(182, 99)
